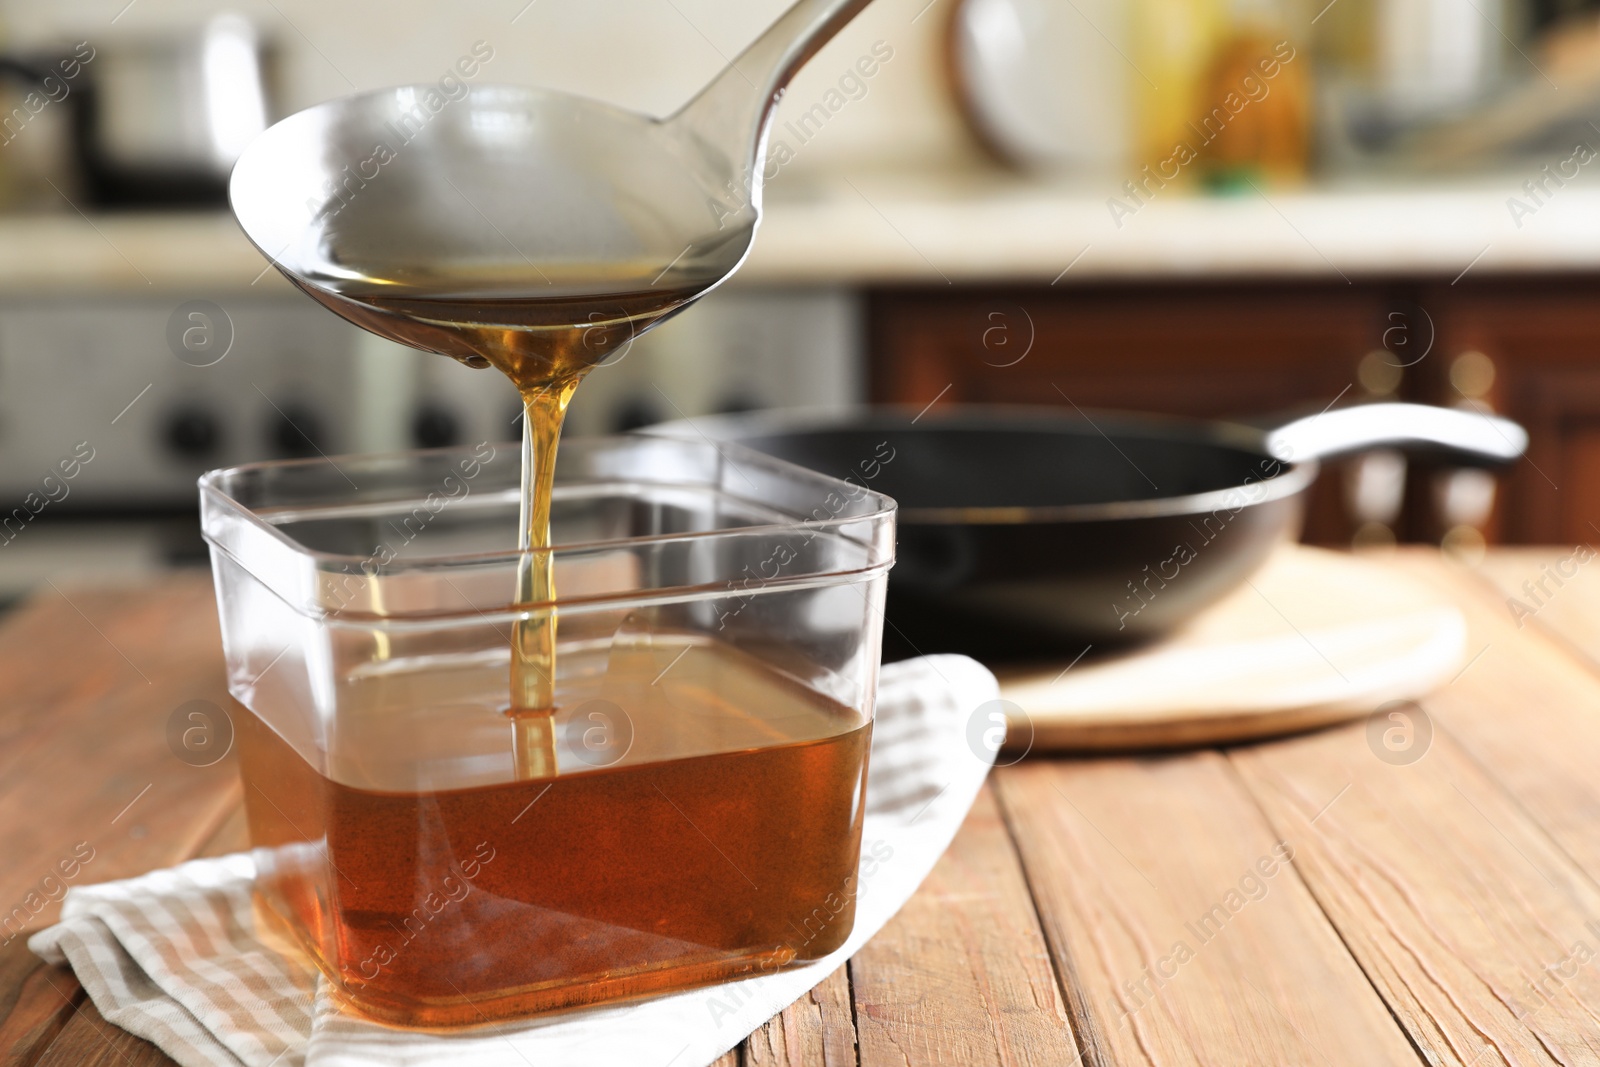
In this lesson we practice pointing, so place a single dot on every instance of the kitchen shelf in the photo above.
(889, 229)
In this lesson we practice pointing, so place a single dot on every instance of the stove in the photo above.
(120, 404)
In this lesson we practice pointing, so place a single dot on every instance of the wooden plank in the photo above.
(1557, 589)
(1481, 934)
(1166, 896)
(88, 1040)
(92, 677)
(962, 974)
(94, 792)
(32, 637)
(1465, 881)
(35, 1002)
(814, 1030)
(1525, 708)
(62, 645)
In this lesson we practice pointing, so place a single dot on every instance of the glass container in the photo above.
(718, 636)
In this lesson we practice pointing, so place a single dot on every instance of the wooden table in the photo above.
(1440, 905)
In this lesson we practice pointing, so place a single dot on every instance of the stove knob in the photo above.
(294, 431)
(433, 426)
(193, 433)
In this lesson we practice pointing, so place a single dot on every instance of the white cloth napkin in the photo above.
(174, 956)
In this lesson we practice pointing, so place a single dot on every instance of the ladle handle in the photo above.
(731, 113)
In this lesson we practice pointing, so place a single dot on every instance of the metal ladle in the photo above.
(531, 230)
(539, 194)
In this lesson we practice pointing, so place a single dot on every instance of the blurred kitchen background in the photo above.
(1202, 207)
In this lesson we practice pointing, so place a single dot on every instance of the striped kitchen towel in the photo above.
(176, 957)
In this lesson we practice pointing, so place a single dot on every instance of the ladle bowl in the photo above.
(494, 183)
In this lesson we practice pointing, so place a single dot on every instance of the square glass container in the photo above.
(719, 629)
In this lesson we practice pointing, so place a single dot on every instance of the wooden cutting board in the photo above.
(1314, 637)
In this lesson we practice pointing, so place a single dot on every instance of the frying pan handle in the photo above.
(1464, 438)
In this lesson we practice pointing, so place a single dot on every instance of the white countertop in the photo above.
(898, 228)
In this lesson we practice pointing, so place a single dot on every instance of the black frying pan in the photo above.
(1025, 531)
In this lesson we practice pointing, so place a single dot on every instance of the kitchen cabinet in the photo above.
(1537, 342)
(1527, 348)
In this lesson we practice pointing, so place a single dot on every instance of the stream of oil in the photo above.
(544, 327)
